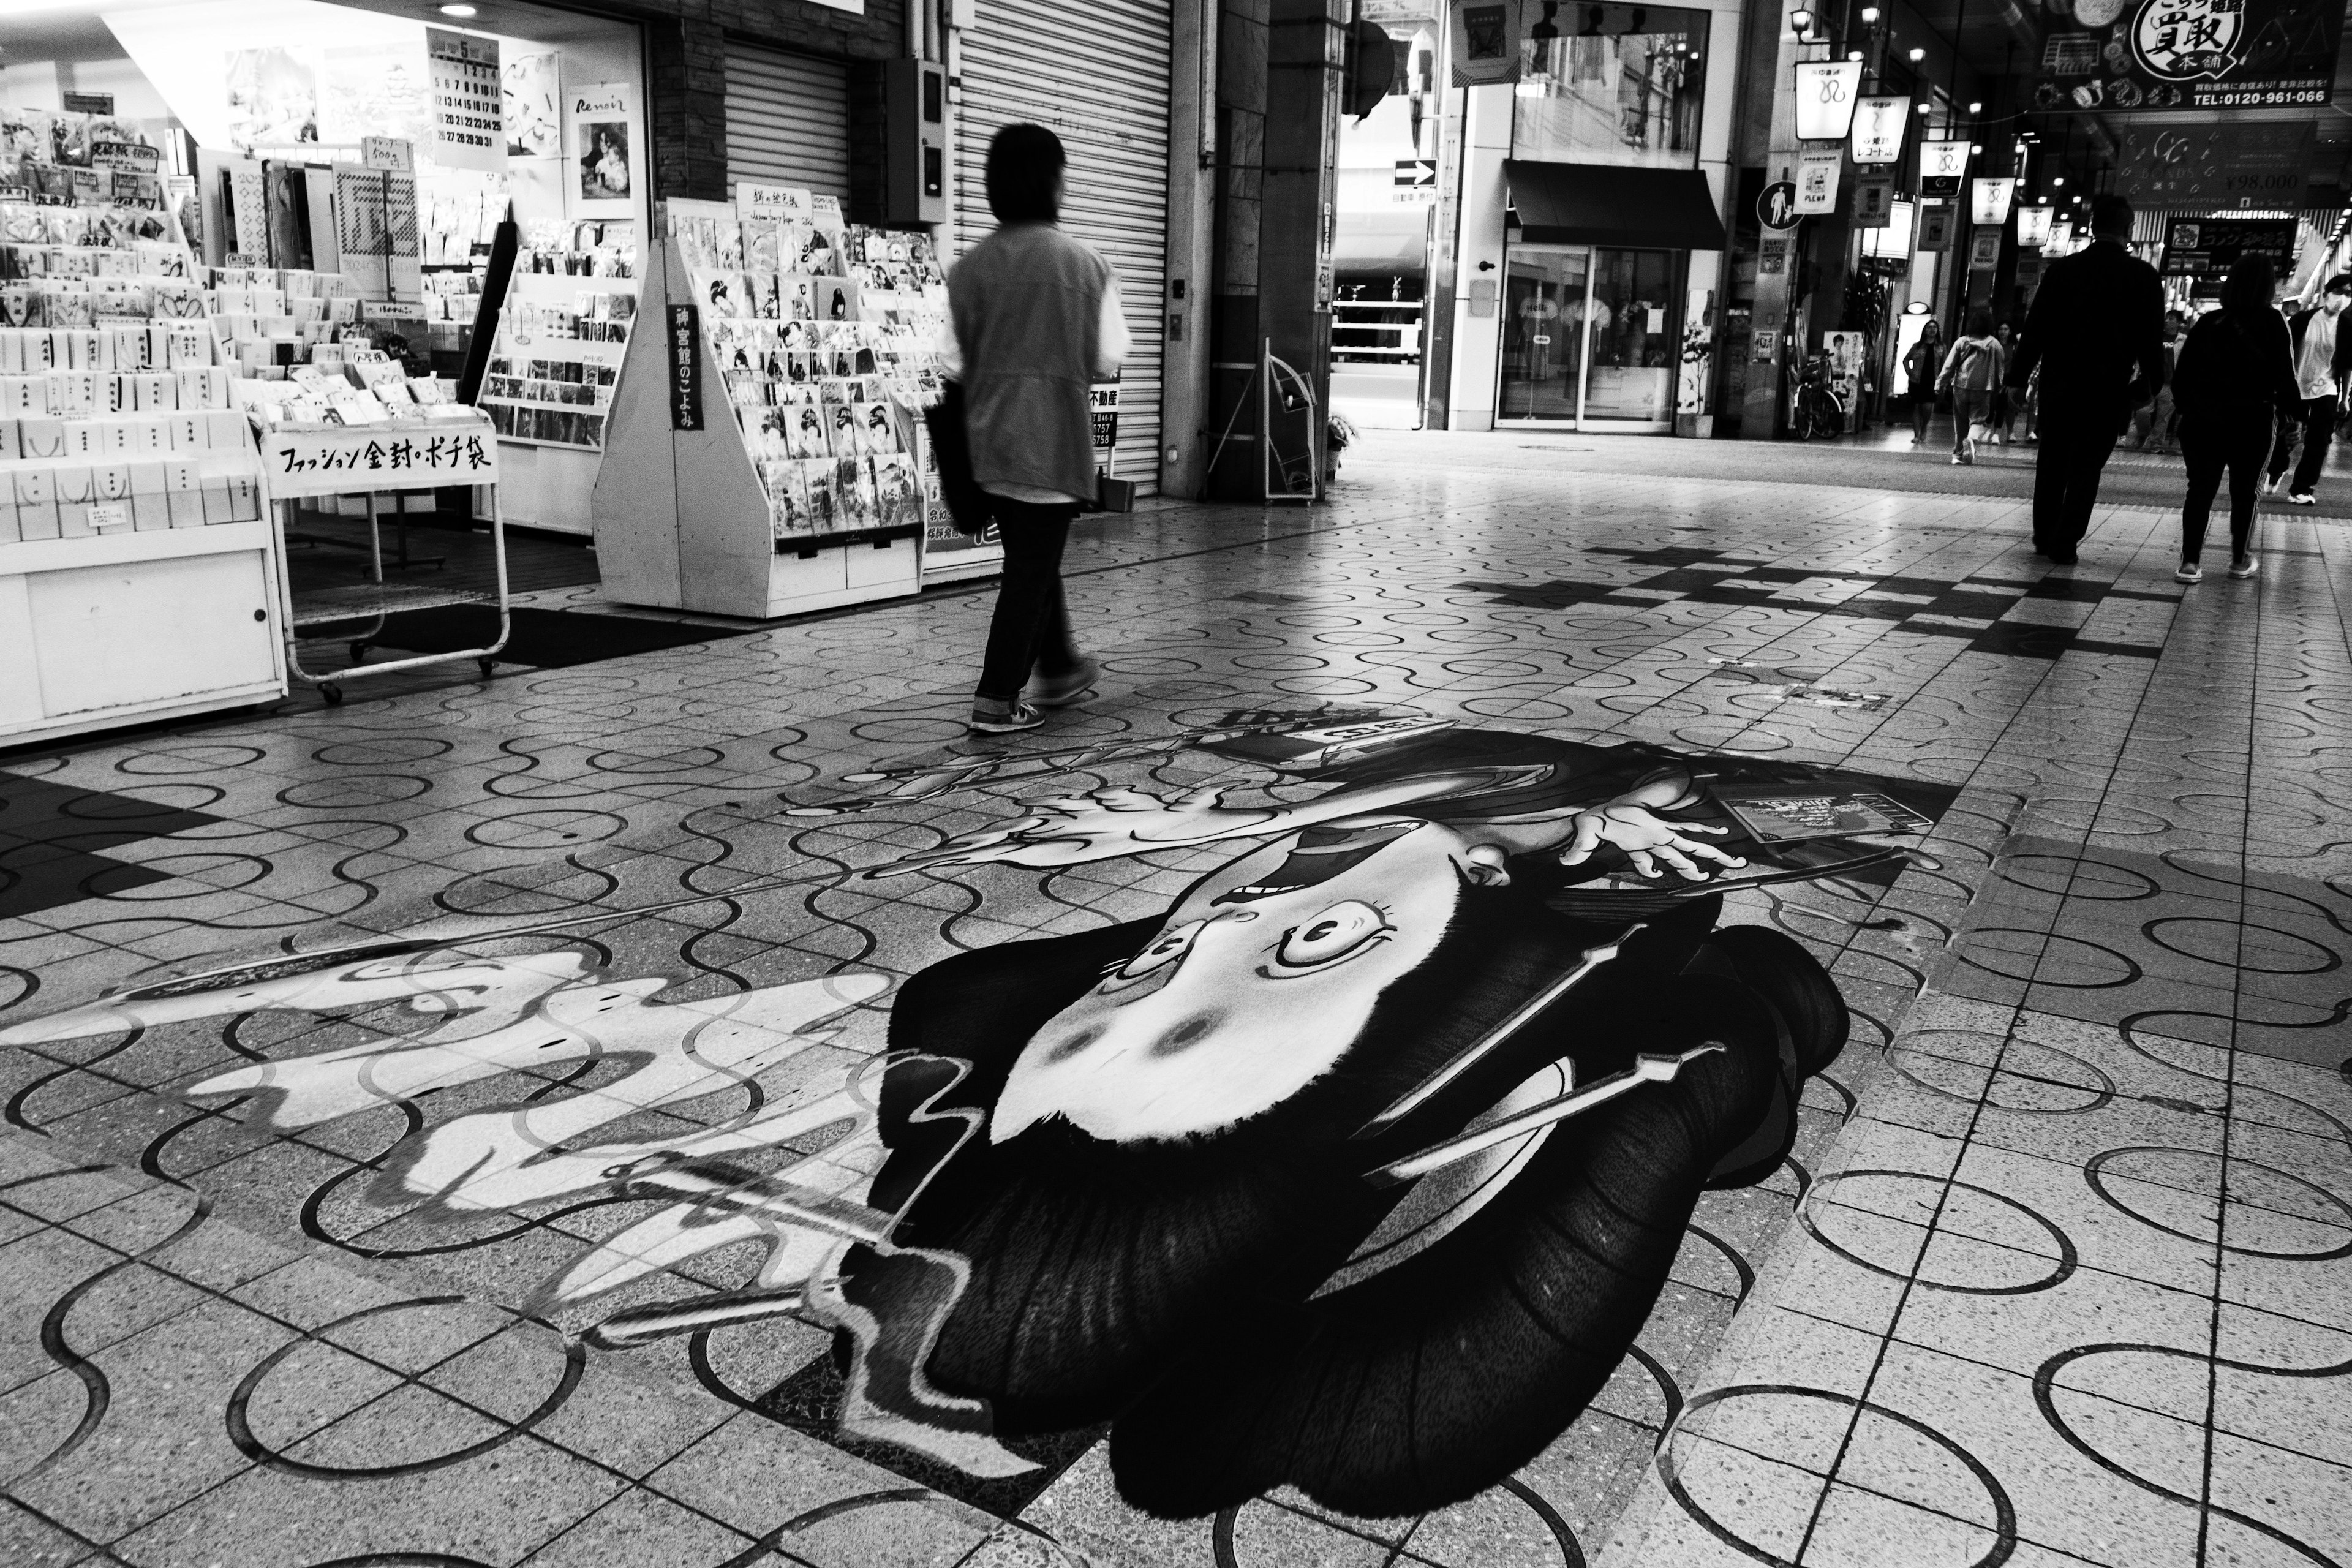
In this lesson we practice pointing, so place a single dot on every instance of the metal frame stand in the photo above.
(1296, 393)
(376, 599)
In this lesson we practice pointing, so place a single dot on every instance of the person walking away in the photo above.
(1036, 322)
(2323, 371)
(1971, 371)
(2095, 333)
(2237, 368)
(1919, 364)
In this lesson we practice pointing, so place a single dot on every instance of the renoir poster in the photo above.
(600, 122)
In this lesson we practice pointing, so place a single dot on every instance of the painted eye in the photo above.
(1338, 932)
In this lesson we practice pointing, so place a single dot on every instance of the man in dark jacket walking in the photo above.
(2095, 331)
(2323, 374)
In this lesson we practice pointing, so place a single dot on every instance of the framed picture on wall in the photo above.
(600, 142)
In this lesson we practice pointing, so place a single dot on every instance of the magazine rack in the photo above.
(682, 522)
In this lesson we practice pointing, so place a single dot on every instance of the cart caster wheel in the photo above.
(359, 653)
(332, 693)
(489, 667)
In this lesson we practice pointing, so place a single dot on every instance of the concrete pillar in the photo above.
(1278, 81)
(1188, 421)
(1479, 278)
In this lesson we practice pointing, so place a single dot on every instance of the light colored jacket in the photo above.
(1027, 304)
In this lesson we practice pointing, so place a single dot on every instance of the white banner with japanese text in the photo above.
(355, 459)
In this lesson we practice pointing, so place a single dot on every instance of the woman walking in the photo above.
(2236, 372)
(1971, 371)
(1037, 322)
(1919, 364)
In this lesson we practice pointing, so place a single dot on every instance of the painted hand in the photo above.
(1646, 840)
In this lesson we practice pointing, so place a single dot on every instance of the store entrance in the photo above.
(1589, 337)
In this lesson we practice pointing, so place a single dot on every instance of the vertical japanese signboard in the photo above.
(469, 125)
(685, 367)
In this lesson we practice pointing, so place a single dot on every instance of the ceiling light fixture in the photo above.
(459, 11)
(1918, 54)
(1976, 108)
(1854, 54)
(1801, 20)
(1870, 16)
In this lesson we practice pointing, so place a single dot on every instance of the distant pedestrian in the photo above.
(1971, 371)
(2323, 374)
(2236, 370)
(2095, 331)
(1037, 321)
(1920, 364)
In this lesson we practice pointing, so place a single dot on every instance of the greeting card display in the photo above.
(562, 335)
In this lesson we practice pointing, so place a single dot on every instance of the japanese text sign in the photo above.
(2186, 55)
(685, 367)
(1825, 90)
(1878, 129)
(361, 458)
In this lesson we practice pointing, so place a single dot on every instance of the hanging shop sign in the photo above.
(599, 124)
(339, 460)
(1826, 99)
(2209, 246)
(1935, 226)
(2230, 163)
(469, 125)
(685, 367)
(1989, 199)
(1984, 250)
(2183, 55)
(1817, 182)
(1942, 165)
(1878, 129)
(1484, 41)
(2061, 238)
(2033, 225)
(1873, 201)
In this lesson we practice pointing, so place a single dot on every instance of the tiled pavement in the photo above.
(2068, 1280)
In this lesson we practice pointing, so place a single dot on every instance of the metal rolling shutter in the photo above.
(1098, 74)
(787, 120)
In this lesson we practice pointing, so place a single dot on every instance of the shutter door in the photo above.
(787, 120)
(1098, 76)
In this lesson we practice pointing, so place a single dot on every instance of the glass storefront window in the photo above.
(1592, 336)
(1611, 84)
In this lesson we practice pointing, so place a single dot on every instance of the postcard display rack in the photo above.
(139, 579)
(764, 448)
(570, 305)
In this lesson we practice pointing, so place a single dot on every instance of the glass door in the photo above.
(1544, 292)
(1635, 338)
(1591, 336)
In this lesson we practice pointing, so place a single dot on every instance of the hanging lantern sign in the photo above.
(2062, 237)
(1825, 90)
(1941, 166)
(1990, 199)
(1878, 129)
(2034, 227)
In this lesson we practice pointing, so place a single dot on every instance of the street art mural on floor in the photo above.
(1356, 1168)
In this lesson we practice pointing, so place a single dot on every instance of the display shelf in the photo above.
(138, 580)
(719, 517)
(364, 601)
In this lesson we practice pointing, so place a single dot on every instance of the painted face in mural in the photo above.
(1258, 983)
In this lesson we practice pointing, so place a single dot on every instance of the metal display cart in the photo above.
(377, 460)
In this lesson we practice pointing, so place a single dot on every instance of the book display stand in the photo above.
(139, 580)
(762, 454)
(564, 326)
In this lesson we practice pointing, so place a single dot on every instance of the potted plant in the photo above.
(1337, 435)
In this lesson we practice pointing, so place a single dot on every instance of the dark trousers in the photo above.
(1031, 630)
(2211, 447)
(2076, 445)
(2317, 428)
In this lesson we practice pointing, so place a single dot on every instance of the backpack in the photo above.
(1973, 370)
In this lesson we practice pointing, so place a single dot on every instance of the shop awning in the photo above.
(1592, 203)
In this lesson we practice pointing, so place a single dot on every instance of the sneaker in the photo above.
(1003, 718)
(2301, 497)
(1070, 688)
(2245, 566)
(1957, 459)
(2190, 573)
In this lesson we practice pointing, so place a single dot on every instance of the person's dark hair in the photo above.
(1980, 321)
(1024, 171)
(2111, 214)
(2251, 282)
(2340, 284)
